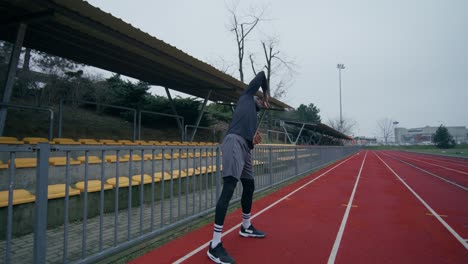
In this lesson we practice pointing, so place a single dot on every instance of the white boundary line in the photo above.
(205, 245)
(431, 157)
(428, 172)
(449, 228)
(466, 173)
(336, 245)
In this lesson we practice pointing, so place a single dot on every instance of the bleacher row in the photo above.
(88, 141)
(21, 196)
(55, 191)
(58, 190)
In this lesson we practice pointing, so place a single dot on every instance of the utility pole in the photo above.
(340, 67)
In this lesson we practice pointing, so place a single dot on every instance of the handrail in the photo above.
(161, 114)
(206, 128)
(98, 104)
(51, 118)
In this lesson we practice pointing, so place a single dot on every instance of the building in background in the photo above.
(364, 141)
(424, 134)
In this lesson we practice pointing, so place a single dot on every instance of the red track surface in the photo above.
(344, 215)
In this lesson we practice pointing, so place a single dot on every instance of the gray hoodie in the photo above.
(244, 119)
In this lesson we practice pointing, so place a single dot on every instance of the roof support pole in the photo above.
(10, 80)
(200, 115)
(320, 139)
(300, 132)
(259, 122)
(174, 110)
(282, 124)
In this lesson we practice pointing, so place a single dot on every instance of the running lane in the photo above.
(301, 222)
(454, 164)
(447, 199)
(455, 175)
(389, 224)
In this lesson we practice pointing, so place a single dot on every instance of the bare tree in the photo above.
(276, 65)
(242, 26)
(279, 65)
(385, 127)
(346, 126)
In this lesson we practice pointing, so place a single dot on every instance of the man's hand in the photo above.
(257, 138)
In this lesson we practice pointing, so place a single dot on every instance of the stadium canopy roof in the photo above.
(319, 128)
(76, 30)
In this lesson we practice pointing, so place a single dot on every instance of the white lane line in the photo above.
(204, 246)
(466, 173)
(431, 158)
(336, 245)
(440, 157)
(428, 172)
(449, 228)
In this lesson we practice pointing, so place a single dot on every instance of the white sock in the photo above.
(246, 220)
(216, 235)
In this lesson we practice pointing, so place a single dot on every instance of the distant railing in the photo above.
(97, 104)
(177, 117)
(51, 116)
(213, 132)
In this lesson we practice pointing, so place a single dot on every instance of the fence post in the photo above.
(218, 173)
(296, 161)
(40, 210)
(270, 165)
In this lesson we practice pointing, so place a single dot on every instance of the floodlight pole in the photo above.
(340, 67)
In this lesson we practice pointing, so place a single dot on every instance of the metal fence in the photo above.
(120, 195)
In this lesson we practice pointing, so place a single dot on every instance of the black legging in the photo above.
(229, 186)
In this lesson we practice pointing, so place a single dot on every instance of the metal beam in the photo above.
(300, 132)
(10, 80)
(283, 125)
(27, 18)
(174, 110)
(200, 116)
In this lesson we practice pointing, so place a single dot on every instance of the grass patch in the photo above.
(459, 150)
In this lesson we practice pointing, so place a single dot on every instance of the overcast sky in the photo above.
(406, 60)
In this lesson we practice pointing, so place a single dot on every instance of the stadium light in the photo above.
(340, 67)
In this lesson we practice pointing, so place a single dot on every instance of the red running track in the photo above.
(354, 211)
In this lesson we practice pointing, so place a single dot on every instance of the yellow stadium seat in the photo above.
(62, 161)
(123, 182)
(65, 141)
(258, 162)
(146, 178)
(58, 191)
(202, 169)
(159, 175)
(10, 140)
(25, 162)
(89, 141)
(156, 143)
(91, 159)
(113, 159)
(135, 157)
(35, 140)
(177, 174)
(93, 186)
(110, 142)
(150, 156)
(192, 171)
(213, 168)
(127, 142)
(20, 196)
(167, 175)
(143, 143)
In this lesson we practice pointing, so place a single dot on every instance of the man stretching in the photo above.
(237, 164)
